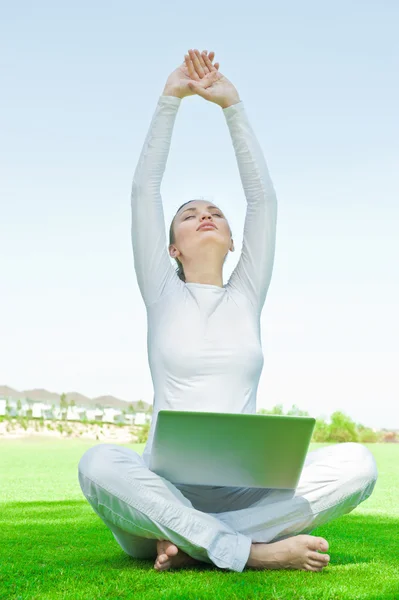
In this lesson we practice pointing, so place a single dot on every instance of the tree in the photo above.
(367, 435)
(342, 429)
(142, 436)
(276, 410)
(140, 405)
(19, 404)
(296, 412)
(63, 401)
(320, 431)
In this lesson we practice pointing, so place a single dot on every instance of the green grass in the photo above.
(53, 545)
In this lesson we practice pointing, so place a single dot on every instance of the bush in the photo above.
(295, 411)
(342, 429)
(367, 435)
(143, 433)
(321, 431)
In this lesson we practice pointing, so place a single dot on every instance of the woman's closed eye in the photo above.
(192, 216)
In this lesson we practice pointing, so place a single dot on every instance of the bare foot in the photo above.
(297, 552)
(171, 557)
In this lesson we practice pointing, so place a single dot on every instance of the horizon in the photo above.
(327, 418)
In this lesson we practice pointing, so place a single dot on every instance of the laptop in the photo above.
(229, 449)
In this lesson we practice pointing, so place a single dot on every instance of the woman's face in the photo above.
(189, 239)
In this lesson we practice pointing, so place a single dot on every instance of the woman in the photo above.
(205, 354)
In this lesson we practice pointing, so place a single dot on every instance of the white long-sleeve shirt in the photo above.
(203, 341)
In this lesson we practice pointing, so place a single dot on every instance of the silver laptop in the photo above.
(229, 449)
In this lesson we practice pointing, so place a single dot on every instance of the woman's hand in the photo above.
(214, 86)
(194, 67)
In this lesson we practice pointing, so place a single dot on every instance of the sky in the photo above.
(80, 84)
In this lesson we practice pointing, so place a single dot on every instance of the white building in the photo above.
(129, 418)
(12, 408)
(39, 409)
(75, 413)
(140, 418)
(3, 406)
(110, 414)
(94, 414)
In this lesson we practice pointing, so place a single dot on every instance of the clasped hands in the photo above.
(198, 75)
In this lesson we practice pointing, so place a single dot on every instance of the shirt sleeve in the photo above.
(155, 273)
(253, 272)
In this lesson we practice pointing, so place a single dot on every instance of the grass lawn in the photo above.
(53, 545)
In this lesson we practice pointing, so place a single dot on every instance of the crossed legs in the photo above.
(223, 526)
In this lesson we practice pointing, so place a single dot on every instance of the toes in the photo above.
(324, 558)
(309, 567)
(161, 566)
(161, 547)
(316, 543)
(162, 558)
(172, 550)
(319, 558)
(316, 563)
(167, 548)
(323, 544)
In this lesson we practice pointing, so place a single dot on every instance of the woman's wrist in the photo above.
(171, 91)
(230, 101)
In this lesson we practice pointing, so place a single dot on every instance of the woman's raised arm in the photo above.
(252, 275)
(152, 264)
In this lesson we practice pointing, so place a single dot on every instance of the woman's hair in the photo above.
(180, 270)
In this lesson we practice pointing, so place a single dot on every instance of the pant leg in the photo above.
(124, 493)
(334, 480)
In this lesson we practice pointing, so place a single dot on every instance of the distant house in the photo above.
(24, 408)
(3, 407)
(75, 413)
(94, 414)
(59, 413)
(36, 409)
(140, 418)
(41, 410)
(129, 418)
(110, 414)
(10, 410)
(120, 418)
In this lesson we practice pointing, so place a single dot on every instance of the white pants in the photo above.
(218, 524)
